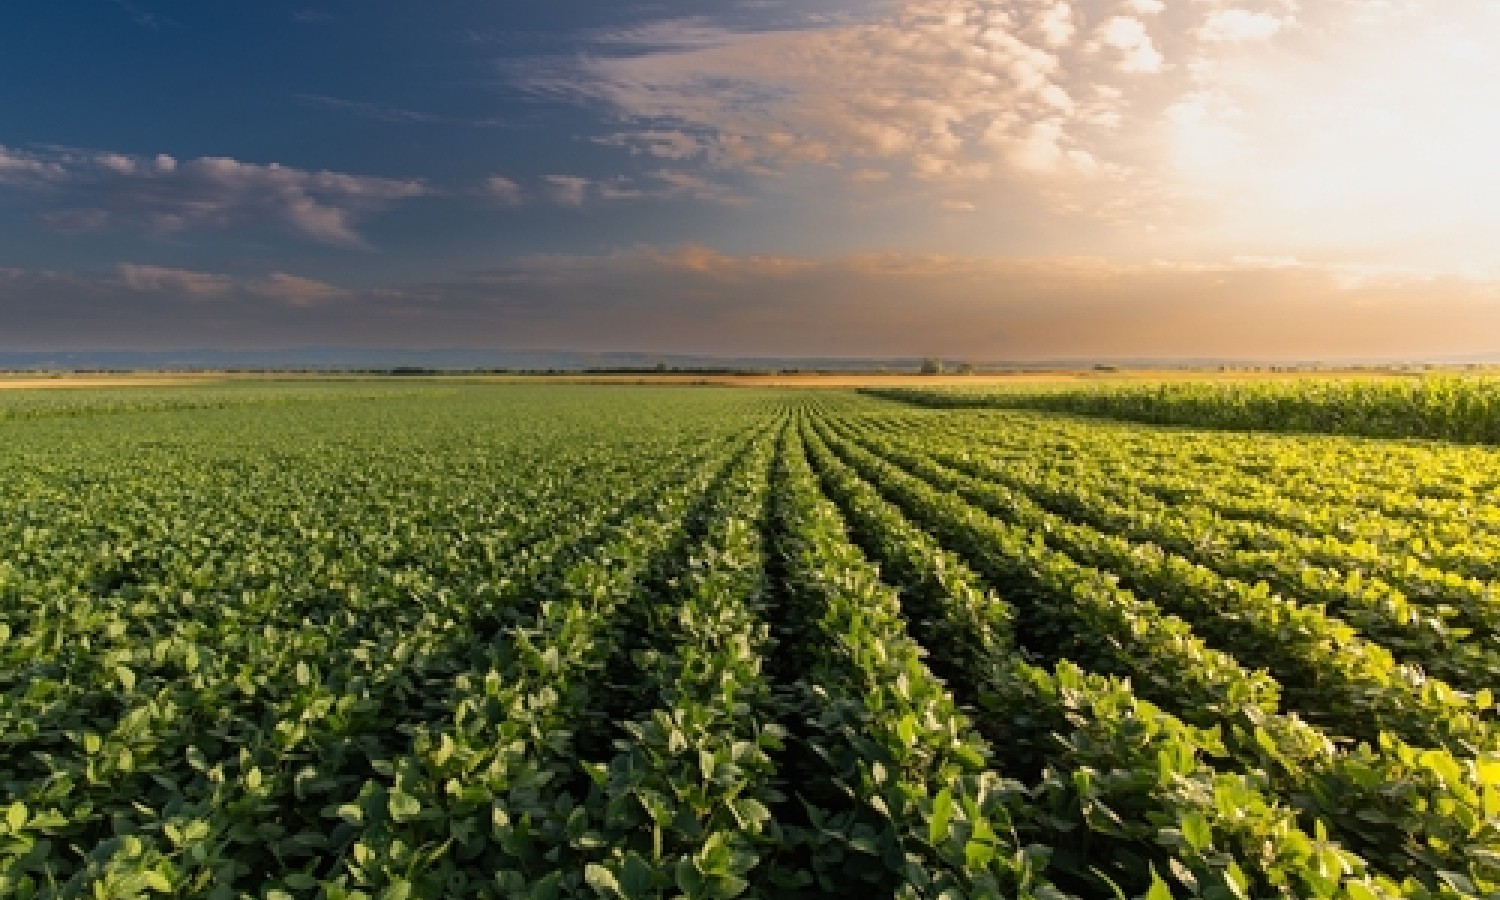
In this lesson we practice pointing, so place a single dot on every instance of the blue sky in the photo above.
(992, 179)
(432, 93)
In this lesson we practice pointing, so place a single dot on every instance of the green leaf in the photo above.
(548, 888)
(403, 807)
(636, 877)
(15, 816)
(906, 729)
(727, 886)
(1196, 830)
(688, 878)
(977, 855)
(400, 890)
(942, 816)
(750, 813)
(1237, 880)
(156, 881)
(1159, 889)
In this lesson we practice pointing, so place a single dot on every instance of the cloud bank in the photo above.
(1349, 131)
(86, 190)
(696, 300)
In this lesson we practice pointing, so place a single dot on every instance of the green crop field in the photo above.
(413, 640)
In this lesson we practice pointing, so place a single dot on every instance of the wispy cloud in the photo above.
(395, 115)
(568, 190)
(661, 184)
(666, 144)
(164, 280)
(294, 290)
(665, 34)
(144, 17)
(21, 169)
(165, 283)
(85, 190)
(145, 305)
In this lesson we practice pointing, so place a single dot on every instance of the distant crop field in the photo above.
(1441, 407)
(437, 639)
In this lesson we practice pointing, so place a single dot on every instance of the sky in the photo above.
(974, 179)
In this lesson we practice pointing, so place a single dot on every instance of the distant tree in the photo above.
(966, 368)
(932, 366)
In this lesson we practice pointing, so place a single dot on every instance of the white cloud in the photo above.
(21, 169)
(92, 190)
(914, 92)
(1056, 24)
(1129, 36)
(1239, 25)
(1039, 149)
(503, 191)
(1229, 125)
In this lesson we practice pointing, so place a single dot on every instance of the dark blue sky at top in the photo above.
(394, 90)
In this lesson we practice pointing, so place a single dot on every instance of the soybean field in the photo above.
(420, 640)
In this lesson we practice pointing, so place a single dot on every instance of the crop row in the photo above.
(195, 697)
(1076, 612)
(1426, 616)
(570, 643)
(1426, 500)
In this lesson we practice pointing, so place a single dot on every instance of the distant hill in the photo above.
(464, 359)
(453, 359)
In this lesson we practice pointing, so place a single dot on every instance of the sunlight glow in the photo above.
(1381, 142)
